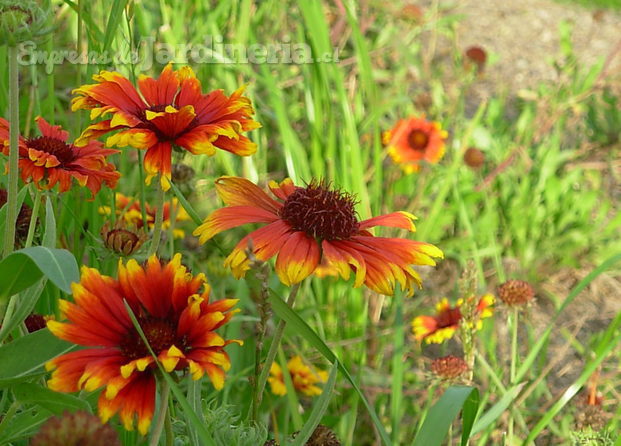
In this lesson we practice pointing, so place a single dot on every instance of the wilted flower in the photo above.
(477, 56)
(35, 322)
(176, 316)
(474, 158)
(516, 292)
(75, 429)
(304, 378)
(414, 140)
(182, 173)
(308, 225)
(449, 367)
(48, 159)
(122, 239)
(165, 112)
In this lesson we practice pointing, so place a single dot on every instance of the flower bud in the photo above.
(123, 241)
(21, 21)
(474, 158)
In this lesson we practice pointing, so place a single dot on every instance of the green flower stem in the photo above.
(143, 195)
(159, 219)
(11, 215)
(514, 364)
(33, 218)
(156, 433)
(271, 354)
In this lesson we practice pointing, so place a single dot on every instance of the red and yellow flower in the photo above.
(414, 140)
(49, 159)
(304, 378)
(165, 112)
(441, 327)
(129, 209)
(179, 322)
(308, 225)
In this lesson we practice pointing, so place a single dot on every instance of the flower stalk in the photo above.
(163, 413)
(11, 215)
(33, 218)
(271, 354)
(159, 219)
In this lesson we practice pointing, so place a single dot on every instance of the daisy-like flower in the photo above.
(49, 159)
(129, 209)
(173, 309)
(304, 378)
(414, 140)
(441, 327)
(165, 112)
(314, 224)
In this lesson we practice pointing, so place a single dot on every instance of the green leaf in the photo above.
(302, 328)
(443, 413)
(23, 425)
(113, 22)
(23, 268)
(26, 356)
(319, 408)
(3, 209)
(497, 409)
(48, 399)
(24, 305)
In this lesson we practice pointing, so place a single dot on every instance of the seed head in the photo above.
(449, 367)
(516, 292)
(75, 429)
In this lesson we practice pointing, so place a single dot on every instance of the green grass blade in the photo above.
(319, 408)
(497, 409)
(114, 20)
(443, 413)
(303, 329)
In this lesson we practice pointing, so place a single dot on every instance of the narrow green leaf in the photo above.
(543, 339)
(48, 399)
(497, 409)
(23, 425)
(319, 408)
(114, 20)
(302, 328)
(469, 415)
(26, 356)
(443, 413)
(20, 199)
(23, 268)
(23, 307)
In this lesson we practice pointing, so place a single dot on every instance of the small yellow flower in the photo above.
(304, 378)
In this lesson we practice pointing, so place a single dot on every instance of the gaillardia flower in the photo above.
(308, 225)
(441, 327)
(304, 378)
(173, 309)
(165, 112)
(414, 140)
(130, 210)
(50, 159)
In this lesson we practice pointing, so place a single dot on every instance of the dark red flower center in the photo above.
(448, 318)
(160, 334)
(63, 152)
(418, 140)
(320, 212)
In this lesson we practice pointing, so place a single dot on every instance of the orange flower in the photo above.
(49, 159)
(170, 110)
(441, 327)
(304, 379)
(132, 213)
(307, 225)
(176, 317)
(414, 140)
